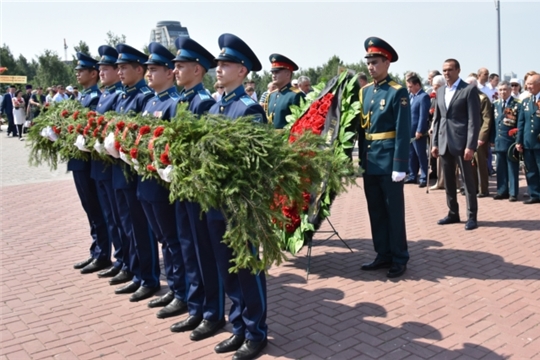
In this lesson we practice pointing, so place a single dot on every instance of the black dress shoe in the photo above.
(249, 350)
(82, 264)
(501, 197)
(422, 184)
(448, 220)
(96, 265)
(532, 201)
(162, 300)
(144, 293)
(231, 344)
(396, 270)
(482, 195)
(174, 308)
(471, 224)
(188, 324)
(110, 272)
(377, 264)
(208, 328)
(129, 288)
(122, 277)
(512, 199)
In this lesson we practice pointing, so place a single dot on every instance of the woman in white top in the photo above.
(19, 113)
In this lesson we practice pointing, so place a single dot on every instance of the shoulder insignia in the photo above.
(175, 96)
(93, 94)
(119, 91)
(394, 84)
(482, 95)
(203, 94)
(273, 91)
(247, 100)
(293, 89)
(146, 90)
(517, 100)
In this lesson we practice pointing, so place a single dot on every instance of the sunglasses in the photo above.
(514, 85)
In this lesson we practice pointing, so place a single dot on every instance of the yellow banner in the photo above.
(12, 79)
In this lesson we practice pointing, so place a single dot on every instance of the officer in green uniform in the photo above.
(385, 125)
(278, 102)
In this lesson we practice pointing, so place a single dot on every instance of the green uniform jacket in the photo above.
(385, 107)
(278, 102)
(529, 125)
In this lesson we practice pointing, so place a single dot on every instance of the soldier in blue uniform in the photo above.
(205, 297)
(279, 101)
(100, 250)
(505, 114)
(143, 257)
(247, 291)
(153, 196)
(102, 172)
(385, 125)
(528, 139)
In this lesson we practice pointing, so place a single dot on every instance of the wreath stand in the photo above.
(331, 233)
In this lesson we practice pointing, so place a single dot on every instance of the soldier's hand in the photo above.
(435, 152)
(418, 135)
(468, 154)
(519, 147)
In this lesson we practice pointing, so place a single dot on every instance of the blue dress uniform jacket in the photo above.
(278, 103)
(246, 290)
(505, 115)
(199, 99)
(420, 104)
(237, 104)
(86, 189)
(386, 120)
(385, 109)
(529, 137)
(102, 175)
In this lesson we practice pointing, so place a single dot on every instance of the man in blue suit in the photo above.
(143, 257)
(528, 140)
(420, 104)
(100, 250)
(7, 108)
(505, 113)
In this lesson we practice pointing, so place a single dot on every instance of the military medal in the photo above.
(383, 102)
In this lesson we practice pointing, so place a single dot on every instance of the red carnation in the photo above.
(70, 129)
(158, 131)
(91, 121)
(150, 167)
(64, 113)
(86, 130)
(56, 130)
(433, 95)
(79, 128)
(117, 145)
(120, 126)
(145, 130)
(164, 158)
(95, 133)
(100, 120)
(513, 132)
(133, 126)
(75, 115)
(133, 153)
(91, 114)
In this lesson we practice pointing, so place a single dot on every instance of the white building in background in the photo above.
(166, 32)
(509, 75)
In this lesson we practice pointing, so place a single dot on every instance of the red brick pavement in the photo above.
(466, 295)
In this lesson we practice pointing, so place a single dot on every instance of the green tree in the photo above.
(52, 70)
(113, 39)
(8, 60)
(26, 68)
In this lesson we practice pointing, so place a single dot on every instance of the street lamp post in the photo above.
(498, 9)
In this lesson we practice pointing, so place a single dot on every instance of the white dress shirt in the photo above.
(449, 92)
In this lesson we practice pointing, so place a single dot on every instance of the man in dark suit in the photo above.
(420, 104)
(7, 108)
(456, 126)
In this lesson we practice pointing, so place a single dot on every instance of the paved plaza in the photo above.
(465, 295)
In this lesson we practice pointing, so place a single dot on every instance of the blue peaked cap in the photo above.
(86, 62)
(159, 55)
(190, 50)
(127, 54)
(234, 49)
(108, 55)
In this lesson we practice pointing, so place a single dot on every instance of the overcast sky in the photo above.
(424, 33)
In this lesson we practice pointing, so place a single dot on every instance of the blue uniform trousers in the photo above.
(532, 163)
(246, 291)
(507, 175)
(418, 159)
(142, 249)
(202, 255)
(386, 207)
(107, 199)
(86, 188)
(162, 220)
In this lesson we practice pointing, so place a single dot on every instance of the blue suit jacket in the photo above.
(7, 104)
(420, 105)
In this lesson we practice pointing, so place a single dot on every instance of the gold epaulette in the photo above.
(394, 84)
(518, 100)
(293, 89)
(371, 83)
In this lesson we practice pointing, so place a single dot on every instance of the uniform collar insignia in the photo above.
(285, 87)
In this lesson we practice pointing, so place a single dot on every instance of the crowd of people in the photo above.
(456, 120)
